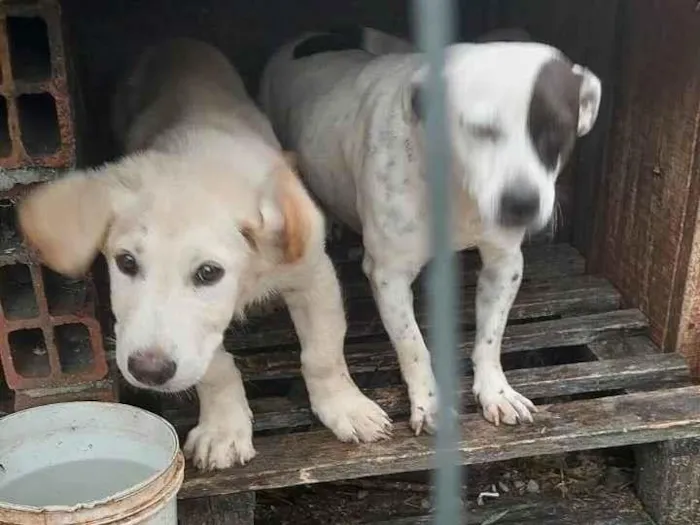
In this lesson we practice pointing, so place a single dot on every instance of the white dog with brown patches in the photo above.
(201, 218)
(347, 104)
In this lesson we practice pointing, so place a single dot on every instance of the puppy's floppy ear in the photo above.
(289, 217)
(66, 221)
(589, 99)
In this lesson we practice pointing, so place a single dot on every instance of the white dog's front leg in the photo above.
(224, 435)
(319, 318)
(394, 297)
(498, 285)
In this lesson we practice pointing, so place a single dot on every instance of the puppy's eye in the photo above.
(208, 274)
(127, 264)
(485, 132)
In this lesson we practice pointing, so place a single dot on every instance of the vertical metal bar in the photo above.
(433, 21)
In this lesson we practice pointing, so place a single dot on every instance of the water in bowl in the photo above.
(75, 482)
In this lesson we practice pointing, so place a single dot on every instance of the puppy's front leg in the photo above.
(319, 318)
(224, 435)
(498, 285)
(392, 293)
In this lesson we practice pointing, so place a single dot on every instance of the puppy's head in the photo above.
(516, 110)
(184, 240)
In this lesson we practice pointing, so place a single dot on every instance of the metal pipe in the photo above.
(433, 20)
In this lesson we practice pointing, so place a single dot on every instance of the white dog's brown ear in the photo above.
(589, 99)
(66, 222)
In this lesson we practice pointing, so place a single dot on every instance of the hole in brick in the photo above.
(5, 143)
(74, 351)
(29, 353)
(64, 295)
(30, 51)
(10, 241)
(38, 123)
(17, 293)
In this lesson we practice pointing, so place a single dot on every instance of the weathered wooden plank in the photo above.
(536, 383)
(542, 262)
(621, 347)
(230, 509)
(606, 509)
(369, 357)
(561, 297)
(668, 481)
(579, 425)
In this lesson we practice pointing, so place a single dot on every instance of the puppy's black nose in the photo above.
(151, 367)
(520, 205)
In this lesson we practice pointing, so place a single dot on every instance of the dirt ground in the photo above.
(568, 477)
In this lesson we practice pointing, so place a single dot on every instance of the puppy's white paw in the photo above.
(213, 446)
(424, 408)
(351, 416)
(500, 403)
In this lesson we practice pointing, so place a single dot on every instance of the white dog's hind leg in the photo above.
(319, 318)
(499, 281)
(224, 435)
(394, 298)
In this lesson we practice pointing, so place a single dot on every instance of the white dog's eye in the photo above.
(127, 264)
(208, 274)
(485, 132)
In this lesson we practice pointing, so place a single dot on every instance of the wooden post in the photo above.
(668, 481)
(233, 509)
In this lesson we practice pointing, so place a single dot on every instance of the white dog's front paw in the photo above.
(220, 445)
(500, 403)
(350, 415)
(424, 408)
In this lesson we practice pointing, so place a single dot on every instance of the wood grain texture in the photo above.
(564, 296)
(660, 370)
(668, 482)
(230, 509)
(370, 357)
(649, 200)
(604, 509)
(316, 457)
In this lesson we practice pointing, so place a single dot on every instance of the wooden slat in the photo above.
(542, 263)
(369, 357)
(233, 509)
(605, 509)
(581, 425)
(536, 383)
(561, 297)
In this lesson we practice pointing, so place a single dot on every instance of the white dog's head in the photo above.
(184, 240)
(516, 109)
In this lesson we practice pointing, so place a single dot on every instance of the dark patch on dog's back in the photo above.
(553, 113)
(343, 39)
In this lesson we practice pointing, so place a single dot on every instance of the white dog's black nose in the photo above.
(151, 367)
(520, 205)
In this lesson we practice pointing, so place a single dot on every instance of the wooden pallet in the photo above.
(570, 346)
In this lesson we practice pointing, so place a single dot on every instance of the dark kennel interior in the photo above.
(613, 280)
